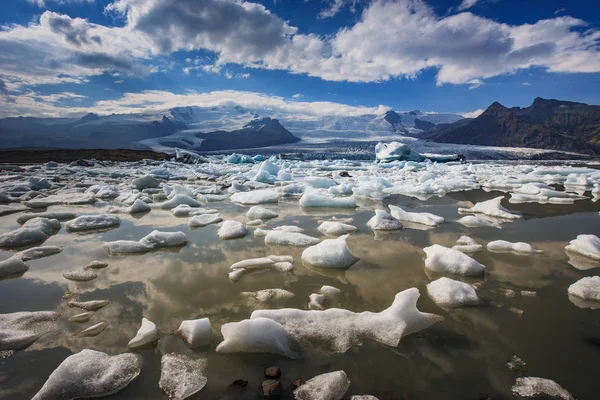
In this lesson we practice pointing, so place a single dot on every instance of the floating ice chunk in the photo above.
(82, 317)
(61, 216)
(264, 177)
(253, 263)
(329, 386)
(19, 330)
(502, 246)
(196, 332)
(269, 294)
(80, 275)
(330, 253)
(97, 265)
(145, 182)
(34, 231)
(257, 335)
(148, 333)
(92, 222)
(383, 221)
(232, 230)
(315, 301)
(258, 232)
(312, 199)
(585, 245)
(395, 151)
(91, 305)
(61, 198)
(263, 196)
(91, 373)
(38, 252)
(329, 291)
(474, 221)
(447, 292)
(492, 208)
(293, 189)
(138, 206)
(531, 387)
(275, 263)
(288, 228)
(204, 219)
(364, 397)
(235, 275)
(587, 288)
(468, 245)
(93, 330)
(417, 218)
(320, 182)
(345, 189)
(333, 228)
(337, 330)
(182, 376)
(184, 210)
(157, 239)
(262, 213)
(177, 200)
(441, 259)
(255, 222)
(290, 239)
(122, 247)
(269, 167)
(12, 266)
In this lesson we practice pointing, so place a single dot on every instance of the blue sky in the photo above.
(67, 57)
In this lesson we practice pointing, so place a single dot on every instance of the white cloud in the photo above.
(526, 84)
(560, 11)
(335, 6)
(297, 96)
(466, 4)
(42, 3)
(473, 114)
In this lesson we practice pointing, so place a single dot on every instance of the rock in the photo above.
(273, 372)
(271, 389)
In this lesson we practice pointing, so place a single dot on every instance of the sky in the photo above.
(346, 57)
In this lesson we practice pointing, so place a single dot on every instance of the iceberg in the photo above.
(442, 260)
(330, 253)
(91, 373)
(261, 213)
(383, 221)
(587, 288)
(585, 245)
(396, 151)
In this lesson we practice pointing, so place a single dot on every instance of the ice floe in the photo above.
(447, 292)
(474, 221)
(153, 241)
(182, 376)
(333, 228)
(468, 245)
(316, 301)
(263, 196)
(329, 386)
(416, 218)
(383, 221)
(314, 199)
(265, 295)
(12, 266)
(232, 230)
(275, 263)
(532, 387)
(337, 330)
(330, 253)
(184, 210)
(81, 274)
(91, 305)
(92, 331)
(196, 332)
(81, 317)
(38, 252)
(204, 220)
(62, 198)
(177, 200)
(147, 334)
(32, 232)
(257, 212)
(491, 208)
(19, 330)
(442, 260)
(61, 216)
(502, 246)
(90, 373)
(92, 222)
(257, 335)
(285, 238)
(585, 245)
(145, 182)
(587, 288)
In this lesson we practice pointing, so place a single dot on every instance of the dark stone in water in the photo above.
(236, 391)
(345, 174)
(271, 389)
(273, 372)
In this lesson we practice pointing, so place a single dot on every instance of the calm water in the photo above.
(463, 357)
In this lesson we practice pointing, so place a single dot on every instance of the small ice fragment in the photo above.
(196, 332)
(315, 301)
(331, 253)
(329, 291)
(148, 333)
(38, 252)
(505, 292)
(12, 266)
(515, 364)
(290, 239)
(177, 200)
(182, 376)
(235, 275)
(474, 221)
(520, 248)
(138, 206)
(269, 294)
(332, 228)
(253, 263)
(60, 216)
(465, 244)
(145, 182)
(441, 259)
(92, 222)
(261, 213)
(383, 221)
(447, 292)
(313, 199)
(97, 265)
(528, 293)
(82, 317)
(81, 274)
(91, 305)
(257, 335)
(204, 220)
(288, 228)
(329, 386)
(232, 230)
(532, 387)
(34, 231)
(91, 373)
(516, 310)
(92, 331)
(262, 196)
(255, 222)
(587, 288)
(585, 245)
(492, 208)
(416, 218)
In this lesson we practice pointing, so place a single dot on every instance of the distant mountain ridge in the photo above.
(546, 124)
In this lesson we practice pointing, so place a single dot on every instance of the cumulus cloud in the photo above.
(391, 39)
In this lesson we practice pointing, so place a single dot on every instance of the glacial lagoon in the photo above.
(524, 307)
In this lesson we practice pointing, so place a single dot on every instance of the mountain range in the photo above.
(546, 124)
